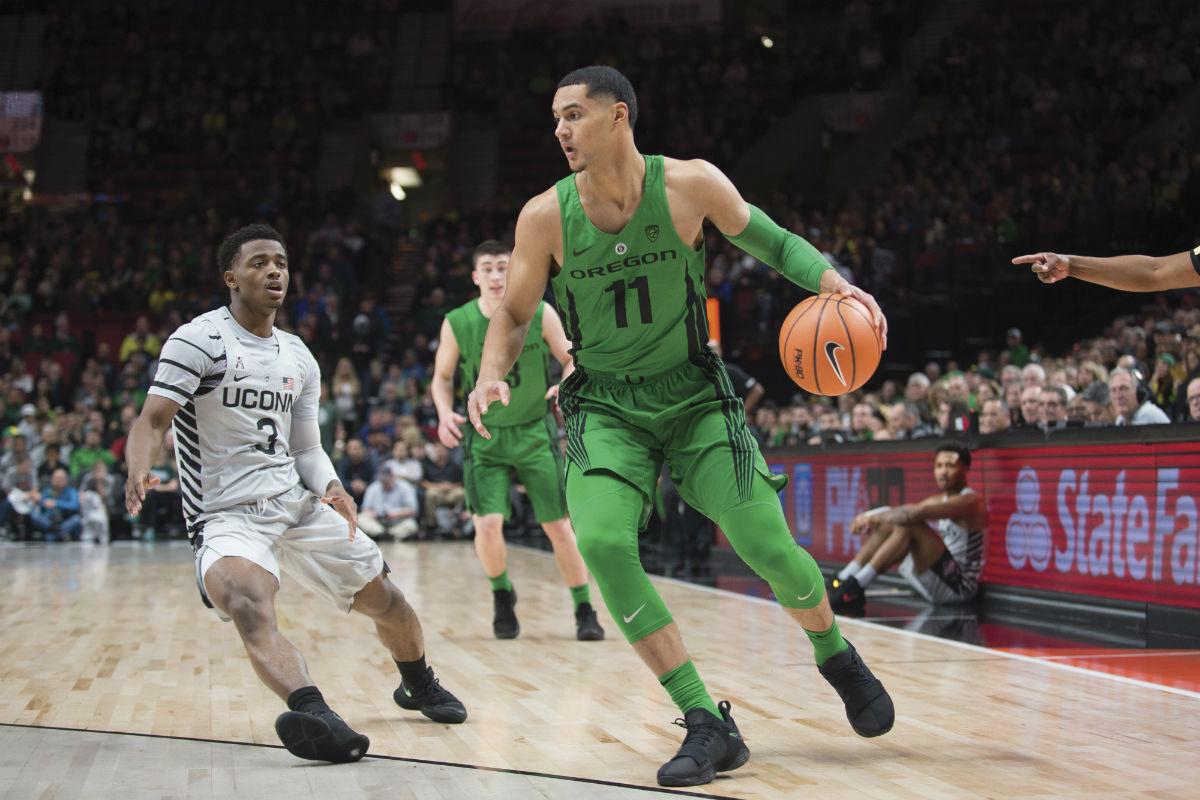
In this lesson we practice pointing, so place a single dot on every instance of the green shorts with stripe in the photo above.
(531, 452)
(690, 417)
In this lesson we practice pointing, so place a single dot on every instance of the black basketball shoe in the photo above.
(431, 700)
(846, 596)
(712, 745)
(868, 706)
(504, 622)
(320, 736)
(587, 627)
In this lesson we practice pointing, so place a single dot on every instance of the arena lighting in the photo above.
(405, 176)
(397, 191)
(767, 42)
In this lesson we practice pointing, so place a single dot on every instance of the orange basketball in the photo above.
(828, 345)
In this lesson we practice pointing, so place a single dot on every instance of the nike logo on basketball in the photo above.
(578, 253)
(831, 349)
(629, 617)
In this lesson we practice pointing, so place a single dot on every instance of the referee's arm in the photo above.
(1129, 273)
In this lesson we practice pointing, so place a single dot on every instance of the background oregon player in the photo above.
(525, 441)
(626, 230)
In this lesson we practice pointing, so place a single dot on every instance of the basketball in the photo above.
(828, 345)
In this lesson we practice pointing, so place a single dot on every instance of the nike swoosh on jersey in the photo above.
(581, 252)
(237, 378)
(629, 617)
(831, 349)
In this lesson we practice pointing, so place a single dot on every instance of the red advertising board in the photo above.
(1116, 520)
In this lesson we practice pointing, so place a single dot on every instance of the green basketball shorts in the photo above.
(532, 452)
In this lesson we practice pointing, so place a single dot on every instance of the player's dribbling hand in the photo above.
(1048, 267)
(483, 396)
(834, 283)
(341, 502)
(135, 491)
(449, 432)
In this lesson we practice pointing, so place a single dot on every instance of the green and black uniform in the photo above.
(524, 433)
(647, 389)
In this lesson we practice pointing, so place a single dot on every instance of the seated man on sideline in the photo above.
(389, 507)
(942, 564)
(443, 484)
(56, 514)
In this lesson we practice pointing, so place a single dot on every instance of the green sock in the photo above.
(827, 643)
(501, 581)
(581, 594)
(687, 690)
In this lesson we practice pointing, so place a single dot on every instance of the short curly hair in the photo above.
(227, 252)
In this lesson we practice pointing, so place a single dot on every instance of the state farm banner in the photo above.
(1115, 520)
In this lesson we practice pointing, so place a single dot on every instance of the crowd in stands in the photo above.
(1142, 370)
(1023, 153)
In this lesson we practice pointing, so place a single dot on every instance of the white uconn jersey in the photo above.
(239, 394)
(966, 546)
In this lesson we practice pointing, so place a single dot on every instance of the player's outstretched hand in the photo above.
(344, 504)
(135, 491)
(483, 396)
(449, 432)
(1048, 267)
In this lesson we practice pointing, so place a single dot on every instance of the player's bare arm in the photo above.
(701, 191)
(442, 387)
(968, 506)
(560, 347)
(1129, 273)
(145, 437)
(538, 240)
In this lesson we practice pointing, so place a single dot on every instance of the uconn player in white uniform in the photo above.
(260, 495)
(943, 564)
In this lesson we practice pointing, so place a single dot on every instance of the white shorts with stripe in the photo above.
(296, 533)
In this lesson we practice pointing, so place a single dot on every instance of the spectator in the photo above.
(1053, 408)
(56, 515)
(356, 469)
(51, 463)
(141, 340)
(904, 423)
(93, 450)
(19, 484)
(1033, 375)
(1128, 407)
(96, 493)
(389, 508)
(162, 510)
(1016, 353)
(1099, 410)
(443, 488)
(17, 448)
(403, 465)
(1031, 405)
(1193, 399)
(916, 393)
(51, 437)
(994, 417)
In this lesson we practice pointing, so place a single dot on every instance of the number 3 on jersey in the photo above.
(269, 447)
(642, 285)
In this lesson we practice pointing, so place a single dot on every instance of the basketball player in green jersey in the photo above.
(621, 237)
(525, 439)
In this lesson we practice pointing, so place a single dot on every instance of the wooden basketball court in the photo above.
(116, 682)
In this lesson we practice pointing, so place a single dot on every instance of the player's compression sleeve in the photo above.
(312, 462)
(783, 251)
(1196, 259)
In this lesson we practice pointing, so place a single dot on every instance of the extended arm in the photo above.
(1129, 273)
(145, 437)
(753, 231)
(528, 273)
(442, 386)
(963, 506)
(560, 346)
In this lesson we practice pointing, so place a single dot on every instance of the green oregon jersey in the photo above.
(632, 302)
(529, 378)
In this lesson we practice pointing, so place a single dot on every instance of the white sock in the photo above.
(850, 569)
(865, 575)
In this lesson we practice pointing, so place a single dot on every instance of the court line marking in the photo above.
(406, 759)
(928, 637)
